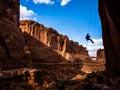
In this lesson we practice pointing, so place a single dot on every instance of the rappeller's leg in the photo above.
(91, 40)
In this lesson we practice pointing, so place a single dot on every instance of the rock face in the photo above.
(11, 38)
(110, 18)
(52, 39)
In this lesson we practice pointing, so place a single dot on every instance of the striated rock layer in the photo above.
(12, 53)
(110, 17)
(52, 39)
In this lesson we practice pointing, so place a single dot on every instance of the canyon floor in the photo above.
(52, 77)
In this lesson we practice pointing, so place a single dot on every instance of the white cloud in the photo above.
(97, 41)
(92, 48)
(27, 14)
(43, 2)
(65, 2)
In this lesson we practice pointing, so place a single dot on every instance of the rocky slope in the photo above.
(110, 19)
(12, 44)
(41, 79)
(59, 43)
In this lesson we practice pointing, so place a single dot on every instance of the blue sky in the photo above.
(74, 18)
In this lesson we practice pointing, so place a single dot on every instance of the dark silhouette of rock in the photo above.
(12, 42)
(110, 19)
(10, 10)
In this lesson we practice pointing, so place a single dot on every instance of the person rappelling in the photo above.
(88, 38)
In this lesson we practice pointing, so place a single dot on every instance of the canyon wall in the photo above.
(110, 19)
(52, 39)
(12, 44)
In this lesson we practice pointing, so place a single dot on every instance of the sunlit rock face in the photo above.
(11, 38)
(110, 19)
(52, 39)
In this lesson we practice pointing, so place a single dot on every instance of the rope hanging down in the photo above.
(88, 36)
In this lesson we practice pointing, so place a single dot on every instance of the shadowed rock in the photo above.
(11, 37)
(110, 19)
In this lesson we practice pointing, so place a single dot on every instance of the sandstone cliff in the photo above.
(12, 42)
(110, 18)
(52, 39)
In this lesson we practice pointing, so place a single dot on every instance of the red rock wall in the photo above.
(109, 11)
(51, 38)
